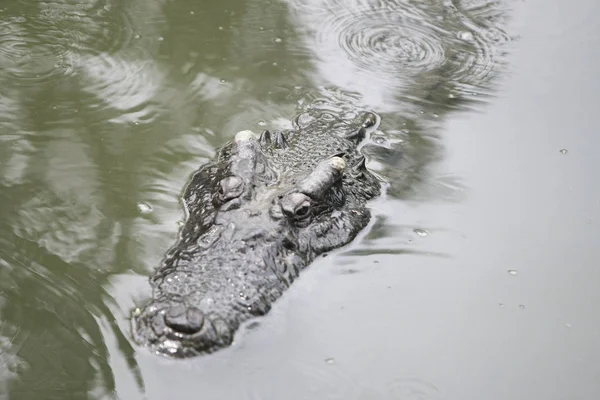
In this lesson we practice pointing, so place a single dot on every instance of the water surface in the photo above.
(477, 278)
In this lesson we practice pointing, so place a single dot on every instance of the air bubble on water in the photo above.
(160, 38)
(330, 360)
(421, 232)
(261, 28)
(522, 306)
(501, 305)
(192, 13)
(451, 95)
(144, 208)
(277, 40)
(563, 151)
(513, 272)
(465, 35)
(223, 81)
(261, 123)
(220, 28)
(435, 115)
(170, 346)
(568, 325)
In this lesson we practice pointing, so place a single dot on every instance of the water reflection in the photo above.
(43, 41)
(128, 89)
(57, 347)
(404, 53)
(107, 105)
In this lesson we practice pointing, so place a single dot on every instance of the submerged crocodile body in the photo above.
(256, 216)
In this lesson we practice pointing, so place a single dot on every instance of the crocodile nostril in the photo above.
(184, 319)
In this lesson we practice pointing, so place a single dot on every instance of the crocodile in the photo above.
(259, 213)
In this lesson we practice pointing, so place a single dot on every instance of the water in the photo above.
(488, 144)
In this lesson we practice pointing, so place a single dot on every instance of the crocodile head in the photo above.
(258, 214)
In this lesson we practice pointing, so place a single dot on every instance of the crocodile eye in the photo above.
(303, 210)
(296, 206)
(230, 188)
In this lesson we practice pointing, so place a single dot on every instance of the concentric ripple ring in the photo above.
(400, 43)
(45, 41)
(392, 44)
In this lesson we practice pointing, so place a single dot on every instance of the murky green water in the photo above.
(107, 107)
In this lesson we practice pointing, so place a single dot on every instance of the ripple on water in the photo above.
(397, 43)
(33, 58)
(42, 42)
(130, 89)
(314, 379)
(391, 41)
(412, 388)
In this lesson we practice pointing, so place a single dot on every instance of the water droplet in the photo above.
(160, 38)
(421, 232)
(144, 208)
(435, 115)
(501, 305)
(465, 35)
(277, 40)
(261, 123)
(329, 360)
(563, 151)
(589, 221)
(513, 272)
(220, 28)
(261, 28)
(568, 325)
(223, 81)
(522, 306)
(192, 13)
